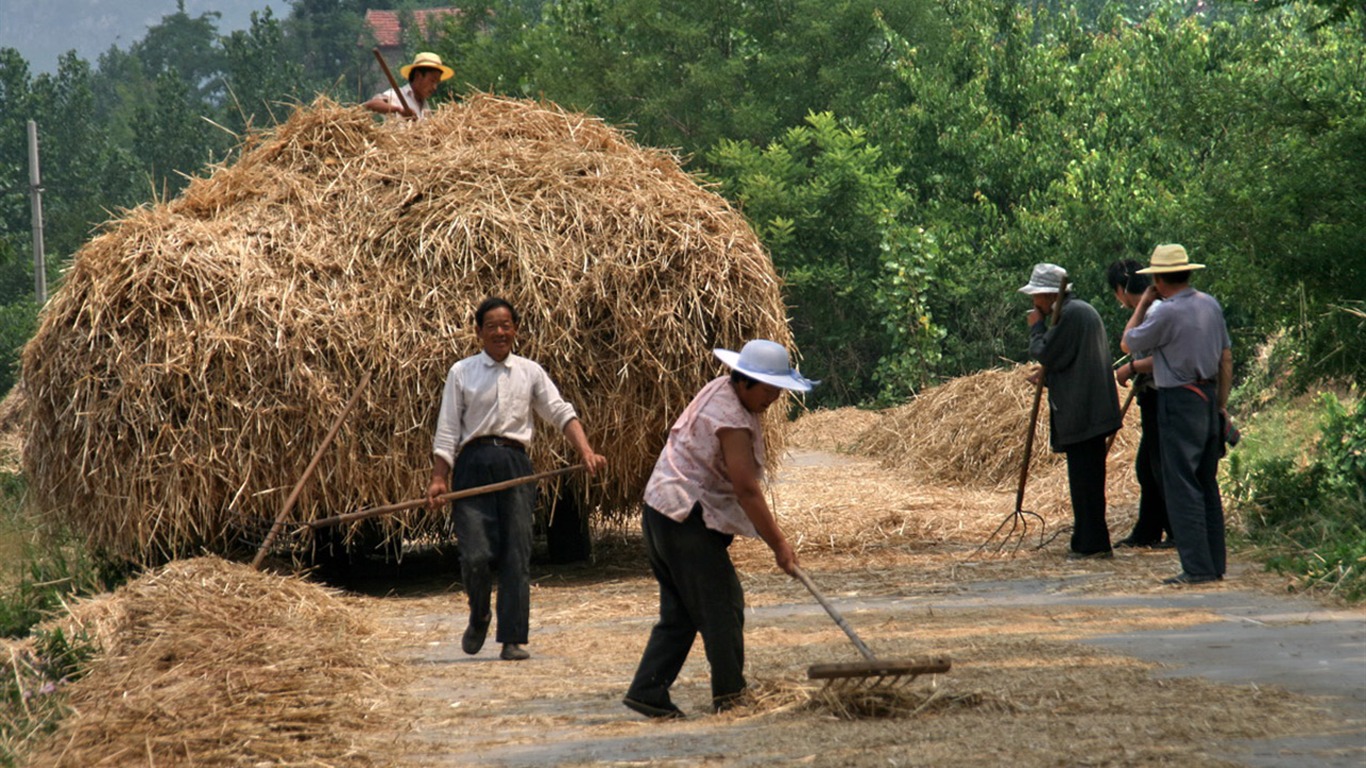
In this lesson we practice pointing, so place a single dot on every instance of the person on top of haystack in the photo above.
(1193, 364)
(706, 489)
(423, 75)
(1152, 524)
(482, 433)
(1083, 403)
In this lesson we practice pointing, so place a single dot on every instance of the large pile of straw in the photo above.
(199, 350)
(206, 662)
(971, 432)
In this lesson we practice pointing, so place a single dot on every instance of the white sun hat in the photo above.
(766, 361)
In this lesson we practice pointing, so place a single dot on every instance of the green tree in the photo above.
(259, 74)
(856, 289)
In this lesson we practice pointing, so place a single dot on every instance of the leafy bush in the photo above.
(1308, 512)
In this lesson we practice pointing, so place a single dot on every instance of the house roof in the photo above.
(385, 24)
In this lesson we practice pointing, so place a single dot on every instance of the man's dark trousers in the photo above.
(1188, 420)
(1086, 481)
(494, 533)
(699, 592)
(1152, 506)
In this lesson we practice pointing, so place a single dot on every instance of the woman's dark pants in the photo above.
(699, 592)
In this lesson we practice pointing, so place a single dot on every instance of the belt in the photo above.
(501, 442)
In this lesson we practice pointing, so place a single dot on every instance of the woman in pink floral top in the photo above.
(706, 489)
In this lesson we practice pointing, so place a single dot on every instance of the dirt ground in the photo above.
(1055, 662)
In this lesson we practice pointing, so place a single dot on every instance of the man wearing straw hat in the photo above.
(1083, 404)
(1128, 285)
(1193, 365)
(422, 75)
(486, 417)
(705, 490)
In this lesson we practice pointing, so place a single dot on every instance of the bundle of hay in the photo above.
(206, 662)
(198, 351)
(971, 432)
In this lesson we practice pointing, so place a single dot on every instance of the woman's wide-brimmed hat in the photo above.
(1169, 257)
(427, 60)
(766, 361)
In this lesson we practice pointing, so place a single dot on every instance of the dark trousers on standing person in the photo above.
(699, 593)
(1152, 521)
(1086, 481)
(494, 535)
(1188, 418)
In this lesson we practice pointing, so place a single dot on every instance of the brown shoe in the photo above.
(513, 652)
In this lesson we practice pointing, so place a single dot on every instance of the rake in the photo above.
(872, 674)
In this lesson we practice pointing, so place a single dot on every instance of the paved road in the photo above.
(1260, 639)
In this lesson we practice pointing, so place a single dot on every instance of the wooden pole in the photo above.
(308, 472)
(384, 65)
(36, 197)
(351, 517)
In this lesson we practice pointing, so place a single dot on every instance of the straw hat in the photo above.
(766, 361)
(1169, 258)
(427, 60)
(1046, 278)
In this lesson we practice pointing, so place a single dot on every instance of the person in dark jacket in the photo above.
(1083, 403)
(1128, 286)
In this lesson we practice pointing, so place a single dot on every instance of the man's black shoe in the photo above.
(513, 652)
(1104, 554)
(1186, 578)
(666, 712)
(474, 636)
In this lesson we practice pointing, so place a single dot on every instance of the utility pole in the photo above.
(36, 194)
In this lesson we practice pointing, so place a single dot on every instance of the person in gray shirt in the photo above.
(1193, 366)
(1083, 403)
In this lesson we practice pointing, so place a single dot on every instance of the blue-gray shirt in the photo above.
(1186, 337)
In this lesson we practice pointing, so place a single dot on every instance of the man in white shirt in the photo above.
(423, 75)
(482, 433)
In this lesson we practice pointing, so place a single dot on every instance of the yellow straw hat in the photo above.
(427, 60)
(1169, 257)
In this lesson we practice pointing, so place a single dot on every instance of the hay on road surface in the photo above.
(199, 350)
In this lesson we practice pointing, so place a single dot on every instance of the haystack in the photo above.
(199, 350)
(970, 432)
(206, 662)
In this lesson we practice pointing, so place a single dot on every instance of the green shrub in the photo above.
(1308, 512)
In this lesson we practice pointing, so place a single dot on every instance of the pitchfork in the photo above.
(1019, 519)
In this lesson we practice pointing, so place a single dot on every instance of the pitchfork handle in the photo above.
(834, 614)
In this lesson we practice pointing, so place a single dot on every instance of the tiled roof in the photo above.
(386, 27)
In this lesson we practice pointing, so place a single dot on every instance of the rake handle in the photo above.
(834, 614)
(351, 517)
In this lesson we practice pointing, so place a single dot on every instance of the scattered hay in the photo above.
(777, 695)
(206, 662)
(198, 351)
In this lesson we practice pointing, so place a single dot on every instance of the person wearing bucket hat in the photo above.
(705, 490)
(423, 75)
(1083, 403)
(1188, 341)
